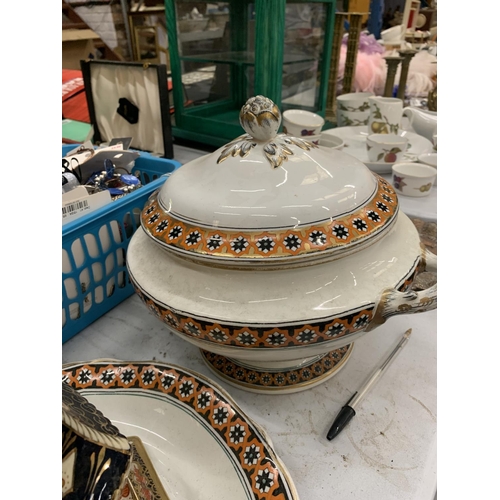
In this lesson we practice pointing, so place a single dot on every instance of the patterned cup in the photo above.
(352, 118)
(353, 110)
(313, 138)
(413, 179)
(387, 148)
(331, 141)
(302, 123)
(385, 115)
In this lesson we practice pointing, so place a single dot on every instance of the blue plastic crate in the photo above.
(94, 247)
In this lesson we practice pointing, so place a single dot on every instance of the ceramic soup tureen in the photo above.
(273, 255)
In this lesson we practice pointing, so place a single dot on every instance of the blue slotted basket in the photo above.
(94, 247)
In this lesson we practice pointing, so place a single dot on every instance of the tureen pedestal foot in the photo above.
(284, 377)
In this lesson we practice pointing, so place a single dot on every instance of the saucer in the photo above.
(200, 443)
(355, 144)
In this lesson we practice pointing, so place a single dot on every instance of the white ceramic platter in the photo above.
(201, 444)
(355, 144)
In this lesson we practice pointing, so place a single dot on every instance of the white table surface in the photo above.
(388, 451)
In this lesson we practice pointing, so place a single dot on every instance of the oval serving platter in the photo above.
(201, 444)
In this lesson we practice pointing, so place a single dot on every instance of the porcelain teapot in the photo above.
(423, 122)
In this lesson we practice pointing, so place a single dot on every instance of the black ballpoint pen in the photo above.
(347, 412)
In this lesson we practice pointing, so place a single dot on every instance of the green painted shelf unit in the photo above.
(222, 56)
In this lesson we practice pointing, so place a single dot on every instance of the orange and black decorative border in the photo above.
(244, 376)
(259, 337)
(347, 230)
(267, 336)
(245, 443)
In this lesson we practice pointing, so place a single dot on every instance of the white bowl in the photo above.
(413, 179)
(314, 139)
(331, 141)
(302, 123)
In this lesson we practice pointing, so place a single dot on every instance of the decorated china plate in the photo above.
(355, 144)
(200, 443)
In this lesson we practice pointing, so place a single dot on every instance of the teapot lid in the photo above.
(268, 196)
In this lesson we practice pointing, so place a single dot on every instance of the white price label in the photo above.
(74, 208)
(78, 203)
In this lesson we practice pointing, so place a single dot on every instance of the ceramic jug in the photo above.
(423, 122)
(385, 115)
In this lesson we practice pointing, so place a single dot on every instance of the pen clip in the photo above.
(351, 398)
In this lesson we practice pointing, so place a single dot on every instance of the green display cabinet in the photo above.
(222, 53)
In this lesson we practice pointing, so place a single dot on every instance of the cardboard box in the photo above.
(77, 45)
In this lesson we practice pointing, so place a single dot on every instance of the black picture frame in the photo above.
(161, 71)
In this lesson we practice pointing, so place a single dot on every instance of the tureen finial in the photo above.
(260, 118)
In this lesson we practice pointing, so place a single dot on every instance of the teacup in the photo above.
(387, 148)
(352, 118)
(331, 141)
(413, 179)
(313, 138)
(385, 115)
(354, 102)
(353, 109)
(429, 159)
(302, 123)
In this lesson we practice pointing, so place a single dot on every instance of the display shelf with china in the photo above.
(280, 49)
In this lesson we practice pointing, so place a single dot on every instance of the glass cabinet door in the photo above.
(304, 38)
(223, 53)
(213, 50)
(203, 31)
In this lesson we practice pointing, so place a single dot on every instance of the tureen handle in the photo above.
(393, 302)
(260, 118)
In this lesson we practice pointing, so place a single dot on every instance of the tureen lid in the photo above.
(269, 196)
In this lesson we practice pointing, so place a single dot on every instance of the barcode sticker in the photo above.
(74, 205)
(73, 208)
